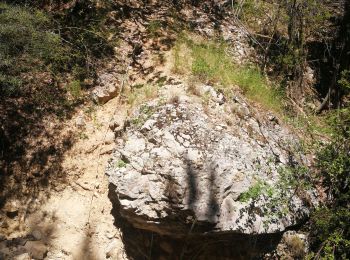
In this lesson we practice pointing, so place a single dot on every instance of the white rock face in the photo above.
(179, 165)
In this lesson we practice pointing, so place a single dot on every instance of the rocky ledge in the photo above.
(215, 167)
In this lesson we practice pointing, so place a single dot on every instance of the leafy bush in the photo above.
(254, 191)
(344, 81)
(331, 230)
(27, 44)
(74, 88)
(33, 42)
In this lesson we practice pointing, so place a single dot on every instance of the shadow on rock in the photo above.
(144, 244)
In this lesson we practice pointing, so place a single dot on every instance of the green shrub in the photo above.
(27, 44)
(74, 88)
(33, 42)
(121, 164)
(344, 81)
(254, 191)
(154, 27)
(330, 223)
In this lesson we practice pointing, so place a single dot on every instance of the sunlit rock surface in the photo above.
(211, 168)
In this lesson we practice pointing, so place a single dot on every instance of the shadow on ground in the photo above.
(32, 146)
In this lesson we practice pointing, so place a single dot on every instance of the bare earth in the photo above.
(75, 222)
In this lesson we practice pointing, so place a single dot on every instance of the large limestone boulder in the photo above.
(192, 167)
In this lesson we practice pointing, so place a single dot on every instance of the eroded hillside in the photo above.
(203, 114)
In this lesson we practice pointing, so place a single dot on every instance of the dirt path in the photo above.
(75, 222)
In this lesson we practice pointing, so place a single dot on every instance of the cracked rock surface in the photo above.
(206, 168)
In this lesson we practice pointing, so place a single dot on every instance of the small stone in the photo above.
(111, 247)
(117, 124)
(110, 235)
(147, 126)
(274, 119)
(4, 251)
(11, 208)
(103, 94)
(108, 149)
(36, 234)
(109, 139)
(24, 256)
(37, 249)
(88, 82)
(80, 121)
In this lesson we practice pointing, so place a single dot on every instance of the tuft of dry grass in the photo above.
(296, 246)
(136, 96)
(194, 90)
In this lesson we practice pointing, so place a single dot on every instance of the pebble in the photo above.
(37, 249)
(37, 234)
(109, 139)
(80, 121)
(111, 247)
(24, 256)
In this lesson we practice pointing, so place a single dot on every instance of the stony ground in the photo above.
(75, 221)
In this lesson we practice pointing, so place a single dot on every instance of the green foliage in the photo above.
(331, 230)
(43, 46)
(344, 80)
(210, 61)
(294, 177)
(74, 89)
(83, 136)
(27, 44)
(83, 28)
(255, 191)
(154, 27)
(293, 180)
(121, 164)
(251, 11)
(145, 112)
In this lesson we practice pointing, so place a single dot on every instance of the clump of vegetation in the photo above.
(145, 112)
(330, 223)
(344, 81)
(154, 27)
(74, 89)
(121, 164)
(293, 180)
(296, 246)
(37, 44)
(138, 94)
(28, 45)
(255, 191)
(209, 61)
